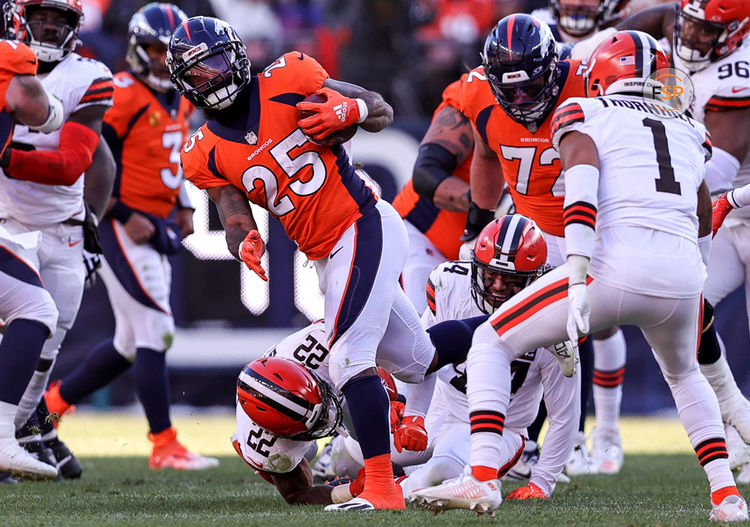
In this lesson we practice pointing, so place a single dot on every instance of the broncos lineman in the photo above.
(41, 188)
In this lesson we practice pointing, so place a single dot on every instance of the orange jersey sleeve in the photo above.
(16, 58)
(300, 73)
(442, 227)
(313, 190)
(146, 132)
(530, 164)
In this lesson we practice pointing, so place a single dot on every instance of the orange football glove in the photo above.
(528, 492)
(397, 413)
(410, 434)
(721, 207)
(337, 113)
(251, 249)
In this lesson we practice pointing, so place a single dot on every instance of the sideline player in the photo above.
(256, 147)
(41, 185)
(146, 127)
(624, 203)
(434, 202)
(27, 310)
(709, 40)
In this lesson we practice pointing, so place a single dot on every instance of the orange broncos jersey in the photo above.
(313, 190)
(15, 59)
(442, 227)
(531, 166)
(146, 137)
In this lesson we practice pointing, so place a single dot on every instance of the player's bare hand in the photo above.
(251, 249)
(578, 311)
(184, 218)
(336, 113)
(139, 228)
(411, 434)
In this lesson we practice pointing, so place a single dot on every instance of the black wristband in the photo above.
(120, 212)
(476, 220)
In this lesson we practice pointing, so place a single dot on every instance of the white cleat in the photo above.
(731, 509)
(15, 460)
(580, 462)
(744, 476)
(354, 504)
(607, 455)
(739, 451)
(566, 355)
(524, 467)
(462, 492)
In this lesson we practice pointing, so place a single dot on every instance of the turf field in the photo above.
(661, 484)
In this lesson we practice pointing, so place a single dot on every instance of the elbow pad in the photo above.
(55, 116)
(434, 165)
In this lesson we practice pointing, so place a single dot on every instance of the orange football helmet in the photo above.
(287, 399)
(622, 63)
(706, 30)
(51, 41)
(508, 255)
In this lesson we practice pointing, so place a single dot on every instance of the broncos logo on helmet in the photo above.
(287, 399)
(152, 25)
(520, 61)
(508, 255)
(208, 62)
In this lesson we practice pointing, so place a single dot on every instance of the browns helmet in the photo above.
(508, 255)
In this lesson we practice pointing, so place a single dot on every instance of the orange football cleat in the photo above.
(170, 453)
(56, 405)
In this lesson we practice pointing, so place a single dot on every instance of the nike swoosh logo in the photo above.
(738, 90)
(301, 56)
(330, 256)
(73, 244)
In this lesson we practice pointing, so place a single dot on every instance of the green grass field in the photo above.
(660, 484)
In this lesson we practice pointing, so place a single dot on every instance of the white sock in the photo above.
(7, 415)
(741, 196)
(31, 397)
(609, 357)
(721, 379)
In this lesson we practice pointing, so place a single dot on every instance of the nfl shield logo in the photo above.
(251, 138)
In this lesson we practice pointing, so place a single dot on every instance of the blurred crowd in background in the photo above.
(407, 50)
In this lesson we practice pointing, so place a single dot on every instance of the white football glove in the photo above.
(578, 311)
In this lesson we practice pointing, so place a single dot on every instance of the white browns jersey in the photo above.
(650, 169)
(265, 450)
(534, 373)
(725, 85)
(72, 81)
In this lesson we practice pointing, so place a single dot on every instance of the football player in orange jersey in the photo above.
(145, 127)
(257, 147)
(510, 100)
(434, 202)
(28, 313)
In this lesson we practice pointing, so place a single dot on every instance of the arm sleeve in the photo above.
(57, 167)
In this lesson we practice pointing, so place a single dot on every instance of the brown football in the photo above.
(336, 138)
